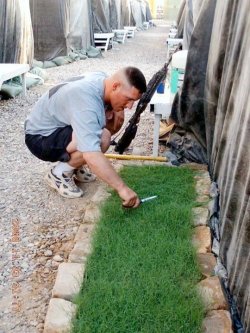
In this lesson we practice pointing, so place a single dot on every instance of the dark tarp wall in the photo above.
(81, 34)
(50, 21)
(125, 13)
(188, 24)
(143, 11)
(115, 14)
(181, 19)
(213, 110)
(188, 106)
(100, 12)
(228, 141)
(192, 10)
(16, 36)
(148, 13)
(61, 25)
(136, 13)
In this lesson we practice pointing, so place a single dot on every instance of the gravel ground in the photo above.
(36, 224)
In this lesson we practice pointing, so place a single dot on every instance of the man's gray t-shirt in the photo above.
(79, 103)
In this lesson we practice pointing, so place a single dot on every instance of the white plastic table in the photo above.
(131, 31)
(102, 40)
(120, 35)
(8, 71)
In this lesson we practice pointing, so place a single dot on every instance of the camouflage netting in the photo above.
(213, 113)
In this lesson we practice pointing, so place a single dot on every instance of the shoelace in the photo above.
(70, 182)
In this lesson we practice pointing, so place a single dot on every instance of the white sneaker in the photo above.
(84, 175)
(64, 185)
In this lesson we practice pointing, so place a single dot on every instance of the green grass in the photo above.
(142, 273)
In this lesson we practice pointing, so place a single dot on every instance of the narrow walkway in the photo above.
(35, 223)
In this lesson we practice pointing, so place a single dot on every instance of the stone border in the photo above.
(61, 310)
(217, 318)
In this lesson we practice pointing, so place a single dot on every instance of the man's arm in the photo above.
(100, 165)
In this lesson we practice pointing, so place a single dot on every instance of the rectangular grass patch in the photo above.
(142, 273)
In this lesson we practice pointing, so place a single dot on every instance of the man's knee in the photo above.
(105, 140)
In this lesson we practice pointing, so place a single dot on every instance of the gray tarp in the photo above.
(50, 21)
(100, 12)
(192, 11)
(115, 14)
(227, 115)
(137, 13)
(16, 36)
(188, 106)
(125, 13)
(213, 110)
(80, 25)
(60, 25)
(148, 13)
(181, 19)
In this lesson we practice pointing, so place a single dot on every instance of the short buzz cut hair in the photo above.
(136, 78)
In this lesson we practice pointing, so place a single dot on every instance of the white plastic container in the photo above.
(178, 65)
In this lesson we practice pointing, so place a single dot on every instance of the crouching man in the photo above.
(68, 126)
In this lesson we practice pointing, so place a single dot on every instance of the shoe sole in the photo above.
(52, 185)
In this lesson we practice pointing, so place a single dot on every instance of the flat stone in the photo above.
(212, 294)
(68, 281)
(100, 195)
(57, 258)
(217, 322)
(207, 262)
(59, 316)
(202, 239)
(200, 216)
(48, 253)
(203, 186)
(203, 198)
(92, 213)
(84, 232)
(67, 246)
(80, 251)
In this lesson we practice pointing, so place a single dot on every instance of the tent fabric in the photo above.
(227, 114)
(50, 21)
(125, 13)
(181, 19)
(188, 105)
(188, 24)
(60, 26)
(192, 11)
(148, 13)
(115, 14)
(81, 34)
(213, 110)
(16, 42)
(137, 14)
(100, 12)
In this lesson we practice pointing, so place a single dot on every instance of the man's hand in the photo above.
(100, 165)
(129, 198)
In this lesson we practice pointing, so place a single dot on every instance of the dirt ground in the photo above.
(36, 224)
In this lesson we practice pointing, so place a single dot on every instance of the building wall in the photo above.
(164, 9)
